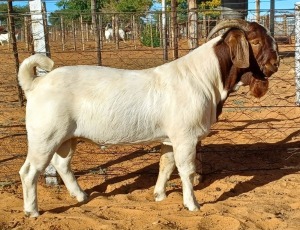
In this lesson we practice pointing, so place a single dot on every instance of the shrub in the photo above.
(147, 39)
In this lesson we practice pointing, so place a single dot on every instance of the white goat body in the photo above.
(4, 38)
(174, 103)
(111, 106)
(109, 34)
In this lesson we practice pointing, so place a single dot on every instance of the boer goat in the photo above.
(4, 38)
(109, 34)
(175, 103)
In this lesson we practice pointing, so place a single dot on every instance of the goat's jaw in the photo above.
(258, 84)
(258, 88)
(268, 70)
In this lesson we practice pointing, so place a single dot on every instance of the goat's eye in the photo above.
(255, 42)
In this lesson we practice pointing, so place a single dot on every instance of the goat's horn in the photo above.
(233, 23)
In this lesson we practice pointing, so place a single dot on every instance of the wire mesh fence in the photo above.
(251, 134)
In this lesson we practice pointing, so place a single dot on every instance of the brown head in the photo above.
(247, 53)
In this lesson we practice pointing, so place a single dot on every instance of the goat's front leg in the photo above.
(166, 167)
(62, 162)
(237, 86)
(185, 155)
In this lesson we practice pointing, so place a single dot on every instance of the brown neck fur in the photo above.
(230, 74)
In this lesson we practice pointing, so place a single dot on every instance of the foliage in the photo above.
(205, 6)
(72, 9)
(108, 5)
(182, 3)
(75, 5)
(148, 39)
(16, 9)
(82, 6)
(208, 7)
(128, 6)
(210, 4)
(202, 4)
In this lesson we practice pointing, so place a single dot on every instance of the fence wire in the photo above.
(252, 134)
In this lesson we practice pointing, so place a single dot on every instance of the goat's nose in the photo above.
(270, 68)
(274, 65)
(276, 62)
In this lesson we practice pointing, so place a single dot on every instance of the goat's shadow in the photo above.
(258, 163)
(146, 173)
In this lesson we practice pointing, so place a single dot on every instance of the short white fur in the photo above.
(174, 103)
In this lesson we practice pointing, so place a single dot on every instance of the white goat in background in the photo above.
(175, 104)
(4, 38)
(109, 33)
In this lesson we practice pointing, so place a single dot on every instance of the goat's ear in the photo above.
(239, 48)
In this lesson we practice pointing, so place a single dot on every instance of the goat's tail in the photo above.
(26, 73)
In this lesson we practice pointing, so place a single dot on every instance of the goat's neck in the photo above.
(229, 73)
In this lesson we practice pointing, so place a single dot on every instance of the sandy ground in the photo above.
(250, 167)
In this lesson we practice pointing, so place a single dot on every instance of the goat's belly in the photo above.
(126, 135)
(109, 134)
(106, 140)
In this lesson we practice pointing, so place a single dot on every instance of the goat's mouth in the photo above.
(258, 83)
(258, 88)
(268, 69)
(263, 74)
(247, 77)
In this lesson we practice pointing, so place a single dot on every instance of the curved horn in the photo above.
(233, 23)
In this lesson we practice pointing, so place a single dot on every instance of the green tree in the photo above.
(208, 7)
(150, 36)
(84, 6)
(205, 6)
(72, 9)
(17, 10)
(202, 4)
(128, 5)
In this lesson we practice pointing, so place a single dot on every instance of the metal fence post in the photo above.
(15, 48)
(164, 30)
(297, 51)
(39, 40)
(193, 24)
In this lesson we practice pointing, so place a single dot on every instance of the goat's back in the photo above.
(109, 105)
(103, 104)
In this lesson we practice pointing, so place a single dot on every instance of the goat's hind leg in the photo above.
(62, 162)
(35, 163)
(166, 167)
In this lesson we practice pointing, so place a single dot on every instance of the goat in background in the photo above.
(109, 34)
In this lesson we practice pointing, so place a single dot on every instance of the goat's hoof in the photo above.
(159, 196)
(31, 214)
(193, 207)
(82, 197)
